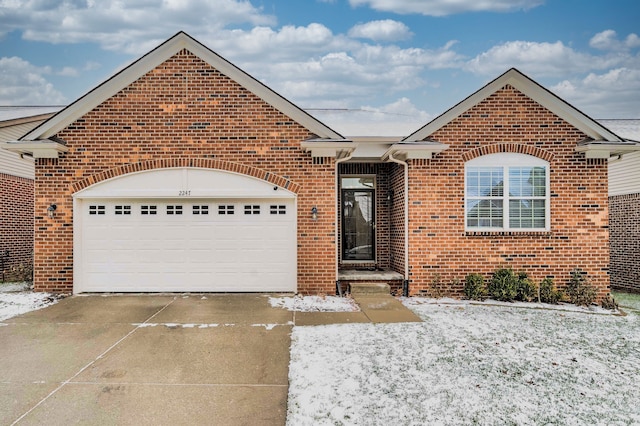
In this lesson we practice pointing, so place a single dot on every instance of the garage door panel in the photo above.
(125, 248)
(120, 256)
(200, 255)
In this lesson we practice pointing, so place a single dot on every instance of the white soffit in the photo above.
(156, 57)
(329, 148)
(414, 150)
(36, 149)
(604, 149)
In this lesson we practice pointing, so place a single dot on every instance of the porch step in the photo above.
(369, 276)
(369, 288)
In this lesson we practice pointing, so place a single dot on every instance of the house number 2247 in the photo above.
(184, 193)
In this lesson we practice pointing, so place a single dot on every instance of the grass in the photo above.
(627, 300)
(469, 364)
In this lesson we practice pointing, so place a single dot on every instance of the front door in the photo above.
(358, 220)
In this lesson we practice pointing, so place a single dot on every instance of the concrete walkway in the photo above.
(158, 359)
(374, 308)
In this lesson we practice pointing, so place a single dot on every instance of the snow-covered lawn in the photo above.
(16, 299)
(469, 364)
(315, 303)
(465, 364)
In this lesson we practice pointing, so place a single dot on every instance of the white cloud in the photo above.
(398, 118)
(385, 30)
(362, 73)
(613, 94)
(91, 65)
(541, 59)
(604, 40)
(632, 41)
(22, 83)
(446, 7)
(116, 25)
(608, 40)
(308, 64)
(68, 72)
(261, 42)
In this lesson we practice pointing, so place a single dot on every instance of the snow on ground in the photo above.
(315, 303)
(469, 364)
(593, 309)
(15, 299)
(12, 287)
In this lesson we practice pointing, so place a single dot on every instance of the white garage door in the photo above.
(186, 244)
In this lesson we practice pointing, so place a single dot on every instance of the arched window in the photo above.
(507, 192)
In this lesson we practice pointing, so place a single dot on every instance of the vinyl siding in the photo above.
(11, 163)
(624, 175)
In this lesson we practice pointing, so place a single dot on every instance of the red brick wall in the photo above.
(184, 112)
(16, 222)
(624, 223)
(508, 121)
(397, 216)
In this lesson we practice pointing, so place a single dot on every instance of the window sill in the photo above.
(510, 233)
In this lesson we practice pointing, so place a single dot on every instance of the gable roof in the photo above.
(533, 90)
(11, 115)
(156, 57)
(625, 127)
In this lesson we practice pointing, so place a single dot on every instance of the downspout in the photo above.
(405, 284)
(338, 209)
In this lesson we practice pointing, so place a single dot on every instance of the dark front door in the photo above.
(358, 224)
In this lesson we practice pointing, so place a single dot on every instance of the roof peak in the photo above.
(530, 88)
(170, 47)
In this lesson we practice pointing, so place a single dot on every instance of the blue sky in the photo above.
(377, 66)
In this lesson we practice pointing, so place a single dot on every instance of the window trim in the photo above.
(507, 160)
(373, 177)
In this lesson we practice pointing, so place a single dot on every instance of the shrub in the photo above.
(436, 288)
(503, 285)
(609, 303)
(579, 289)
(23, 272)
(474, 288)
(548, 292)
(526, 289)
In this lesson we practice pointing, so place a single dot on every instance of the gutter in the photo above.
(405, 284)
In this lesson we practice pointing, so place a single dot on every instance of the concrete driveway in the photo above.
(147, 359)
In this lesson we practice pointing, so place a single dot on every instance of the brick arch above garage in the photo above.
(205, 163)
(508, 147)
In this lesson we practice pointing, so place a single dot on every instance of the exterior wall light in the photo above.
(390, 195)
(314, 213)
(51, 210)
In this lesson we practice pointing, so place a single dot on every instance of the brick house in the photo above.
(16, 190)
(183, 173)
